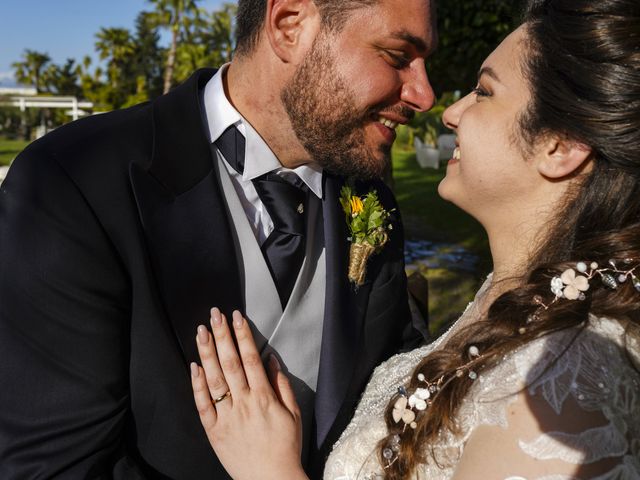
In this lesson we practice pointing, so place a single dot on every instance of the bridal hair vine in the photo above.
(369, 226)
(573, 283)
(408, 407)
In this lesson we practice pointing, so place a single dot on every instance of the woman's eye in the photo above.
(480, 92)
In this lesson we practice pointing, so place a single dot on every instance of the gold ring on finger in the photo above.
(222, 397)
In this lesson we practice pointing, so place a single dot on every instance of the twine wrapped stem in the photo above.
(359, 253)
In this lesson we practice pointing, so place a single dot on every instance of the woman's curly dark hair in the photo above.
(582, 64)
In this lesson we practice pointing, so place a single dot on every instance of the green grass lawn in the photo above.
(9, 149)
(427, 216)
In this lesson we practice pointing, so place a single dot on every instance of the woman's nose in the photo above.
(451, 116)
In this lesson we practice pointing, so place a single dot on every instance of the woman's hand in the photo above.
(255, 430)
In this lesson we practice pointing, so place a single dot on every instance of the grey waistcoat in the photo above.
(293, 335)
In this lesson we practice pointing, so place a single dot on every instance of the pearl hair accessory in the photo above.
(572, 285)
(407, 407)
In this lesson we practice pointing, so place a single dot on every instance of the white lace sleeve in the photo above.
(529, 418)
(579, 417)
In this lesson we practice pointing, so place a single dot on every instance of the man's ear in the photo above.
(562, 157)
(291, 26)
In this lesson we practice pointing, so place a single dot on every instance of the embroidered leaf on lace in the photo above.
(586, 447)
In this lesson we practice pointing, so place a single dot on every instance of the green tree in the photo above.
(133, 65)
(29, 71)
(63, 80)
(468, 31)
(92, 85)
(117, 47)
(208, 42)
(176, 16)
(149, 57)
(219, 36)
(189, 57)
(13, 122)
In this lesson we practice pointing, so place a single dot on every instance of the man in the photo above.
(120, 231)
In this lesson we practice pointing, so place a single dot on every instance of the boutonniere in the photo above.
(369, 227)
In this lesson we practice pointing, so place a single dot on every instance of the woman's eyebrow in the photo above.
(489, 72)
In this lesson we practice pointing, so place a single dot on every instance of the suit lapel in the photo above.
(189, 237)
(184, 216)
(344, 314)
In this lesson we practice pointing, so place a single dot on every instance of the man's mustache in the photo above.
(399, 110)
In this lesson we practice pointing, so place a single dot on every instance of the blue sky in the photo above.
(62, 28)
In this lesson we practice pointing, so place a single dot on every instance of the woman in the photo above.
(539, 377)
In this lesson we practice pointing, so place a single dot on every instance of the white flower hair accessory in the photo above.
(573, 283)
(569, 285)
(407, 407)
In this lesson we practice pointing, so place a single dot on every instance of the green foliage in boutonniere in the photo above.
(369, 227)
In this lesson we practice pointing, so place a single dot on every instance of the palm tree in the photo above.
(221, 37)
(149, 55)
(116, 45)
(29, 70)
(174, 15)
(210, 41)
(92, 85)
(63, 79)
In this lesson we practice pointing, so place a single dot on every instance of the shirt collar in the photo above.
(259, 159)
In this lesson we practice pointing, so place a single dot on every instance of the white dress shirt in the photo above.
(259, 159)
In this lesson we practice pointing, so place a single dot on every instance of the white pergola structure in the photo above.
(72, 104)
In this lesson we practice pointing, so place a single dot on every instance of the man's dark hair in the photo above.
(251, 14)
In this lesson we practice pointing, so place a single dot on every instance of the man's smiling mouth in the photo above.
(388, 123)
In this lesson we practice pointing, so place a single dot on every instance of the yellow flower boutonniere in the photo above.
(369, 227)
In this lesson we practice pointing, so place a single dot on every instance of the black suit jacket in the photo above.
(114, 244)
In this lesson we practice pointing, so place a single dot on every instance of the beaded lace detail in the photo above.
(593, 376)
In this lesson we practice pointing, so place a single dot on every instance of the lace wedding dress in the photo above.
(577, 418)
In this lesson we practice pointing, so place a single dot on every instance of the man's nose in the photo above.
(416, 89)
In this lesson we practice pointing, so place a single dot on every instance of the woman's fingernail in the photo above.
(195, 371)
(237, 319)
(274, 362)
(216, 317)
(203, 335)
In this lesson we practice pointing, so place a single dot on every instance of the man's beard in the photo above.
(326, 120)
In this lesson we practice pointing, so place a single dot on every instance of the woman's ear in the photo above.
(291, 27)
(562, 157)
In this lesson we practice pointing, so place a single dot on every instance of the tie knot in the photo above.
(232, 144)
(285, 202)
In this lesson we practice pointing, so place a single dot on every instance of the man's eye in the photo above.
(398, 61)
